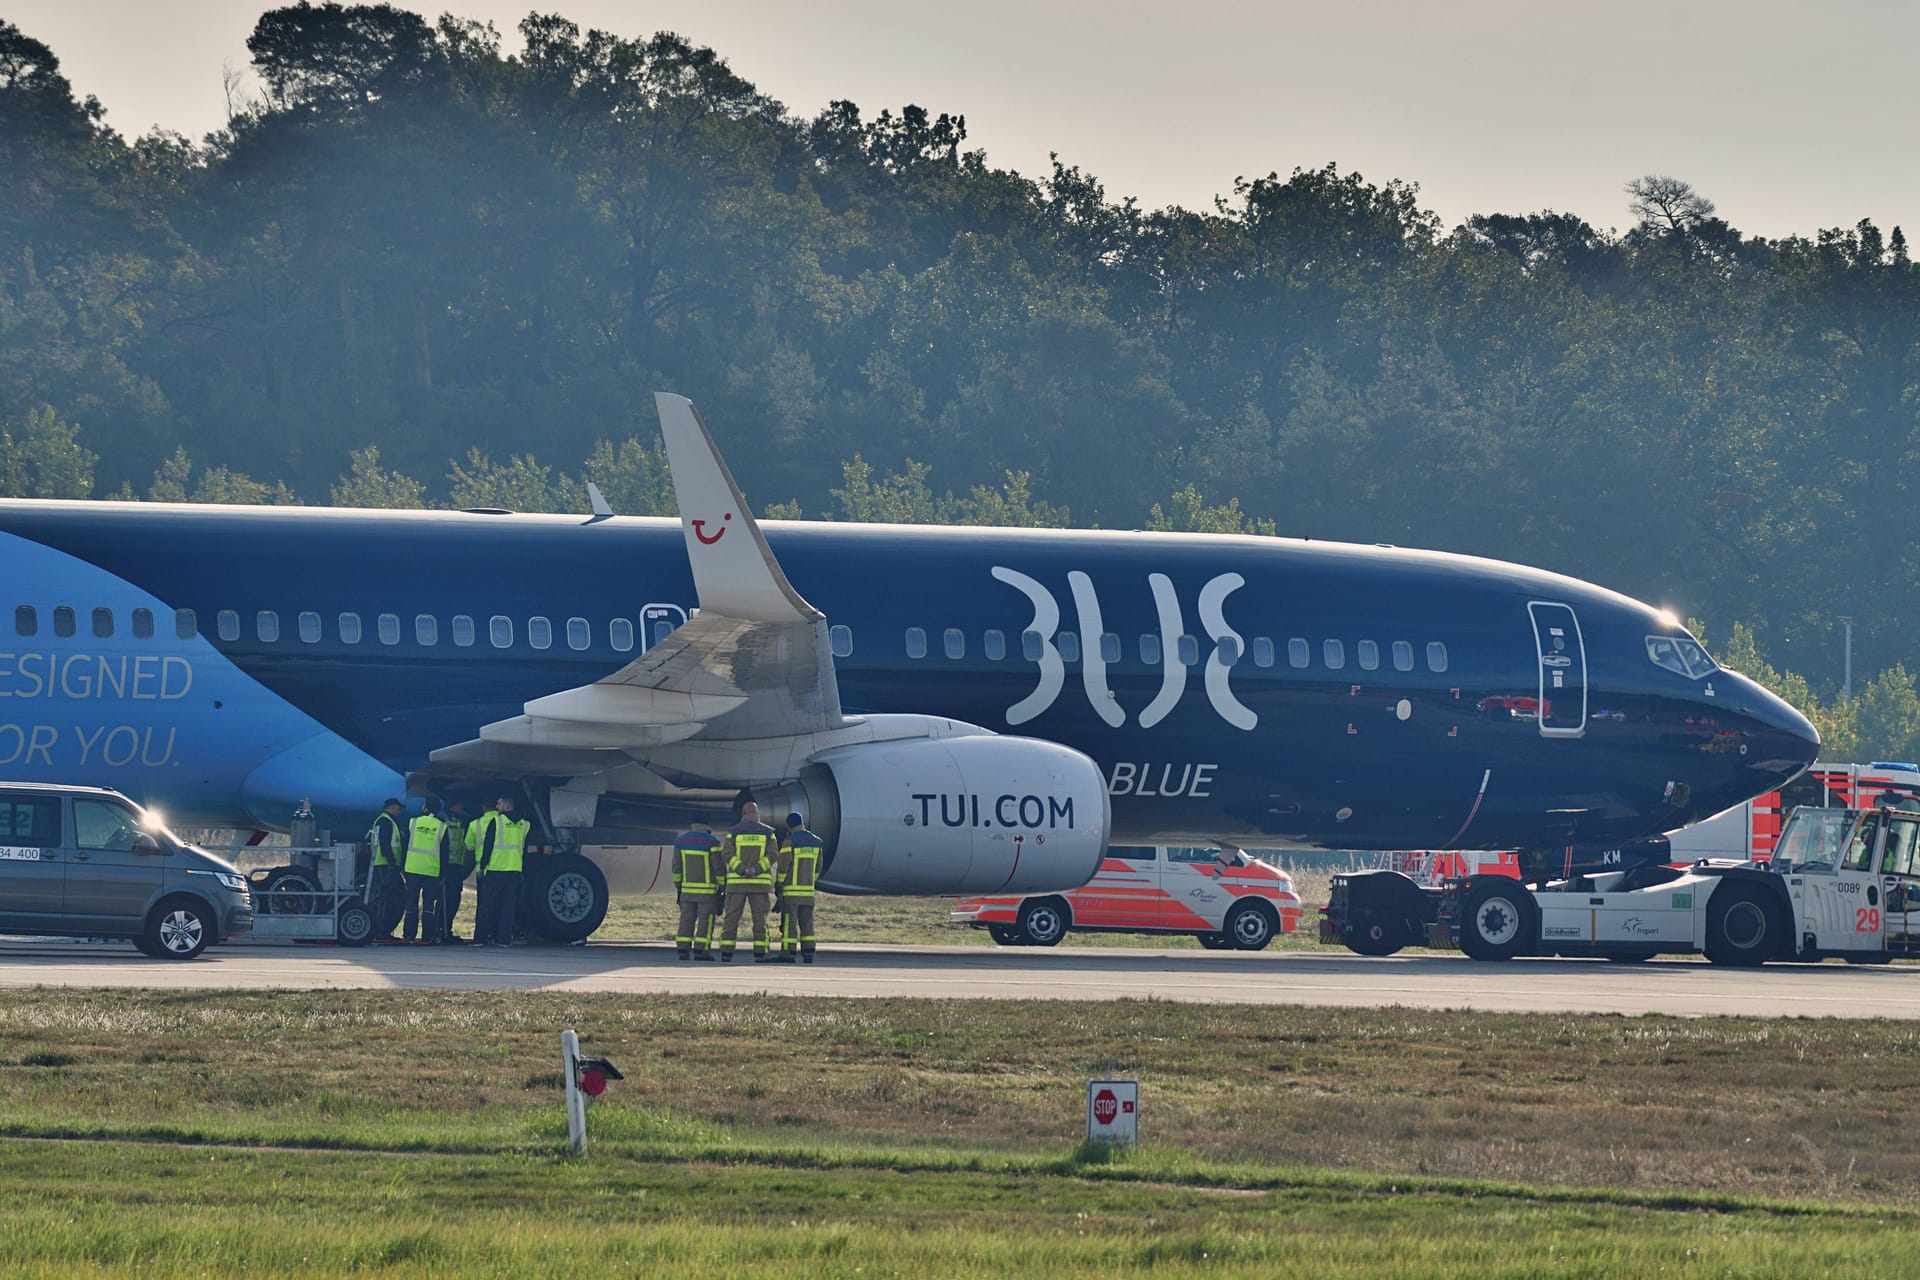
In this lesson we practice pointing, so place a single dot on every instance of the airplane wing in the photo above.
(753, 662)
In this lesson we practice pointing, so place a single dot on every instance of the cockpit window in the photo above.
(1681, 654)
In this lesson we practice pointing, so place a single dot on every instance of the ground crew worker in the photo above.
(426, 846)
(457, 866)
(502, 851)
(385, 888)
(795, 873)
(750, 844)
(696, 882)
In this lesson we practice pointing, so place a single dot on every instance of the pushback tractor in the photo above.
(1842, 883)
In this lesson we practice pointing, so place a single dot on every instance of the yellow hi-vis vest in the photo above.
(803, 864)
(509, 843)
(396, 843)
(458, 850)
(423, 845)
(752, 847)
(693, 862)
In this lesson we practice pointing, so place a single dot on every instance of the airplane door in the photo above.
(657, 622)
(1563, 670)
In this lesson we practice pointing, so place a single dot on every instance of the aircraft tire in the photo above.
(353, 923)
(1251, 927)
(1005, 934)
(1496, 920)
(1044, 921)
(1743, 927)
(563, 898)
(179, 928)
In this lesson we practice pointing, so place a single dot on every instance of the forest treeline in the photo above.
(417, 269)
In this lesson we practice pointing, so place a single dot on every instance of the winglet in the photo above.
(599, 500)
(734, 571)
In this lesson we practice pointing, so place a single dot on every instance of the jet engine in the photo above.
(974, 814)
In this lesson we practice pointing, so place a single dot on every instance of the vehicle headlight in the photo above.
(231, 880)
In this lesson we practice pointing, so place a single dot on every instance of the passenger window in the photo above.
(1150, 650)
(841, 637)
(463, 631)
(185, 625)
(1335, 653)
(1133, 852)
(1402, 656)
(266, 625)
(1298, 655)
(64, 627)
(143, 624)
(1263, 651)
(661, 629)
(954, 642)
(1859, 854)
(1229, 650)
(1187, 649)
(1436, 656)
(30, 824)
(103, 624)
(994, 645)
(310, 628)
(500, 631)
(1032, 646)
(620, 635)
(229, 623)
(1192, 853)
(99, 825)
(579, 634)
(349, 628)
(1069, 646)
(1369, 655)
(26, 621)
(539, 633)
(1899, 859)
(426, 630)
(916, 643)
(1109, 647)
(388, 625)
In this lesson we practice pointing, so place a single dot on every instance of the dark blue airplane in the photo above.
(955, 710)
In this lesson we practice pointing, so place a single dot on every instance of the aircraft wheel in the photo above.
(1215, 941)
(1251, 927)
(1743, 928)
(1043, 921)
(563, 897)
(1497, 921)
(1004, 934)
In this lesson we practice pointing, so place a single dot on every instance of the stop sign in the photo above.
(1105, 1106)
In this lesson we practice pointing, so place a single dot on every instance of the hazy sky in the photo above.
(1792, 116)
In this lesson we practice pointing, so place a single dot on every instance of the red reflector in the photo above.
(593, 1082)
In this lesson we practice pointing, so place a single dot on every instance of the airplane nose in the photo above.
(1782, 743)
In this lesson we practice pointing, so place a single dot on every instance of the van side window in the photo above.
(186, 626)
(103, 623)
(1133, 852)
(26, 621)
(143, 624)
(30, 824)
(63, 624)
(99, 825)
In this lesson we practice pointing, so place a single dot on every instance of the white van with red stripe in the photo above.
(1749, 832)
(1221, 896)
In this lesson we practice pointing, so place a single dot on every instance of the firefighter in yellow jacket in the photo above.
(794, 874)
(696, 882)
(751, 845)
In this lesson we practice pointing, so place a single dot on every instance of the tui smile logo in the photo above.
(700, 530)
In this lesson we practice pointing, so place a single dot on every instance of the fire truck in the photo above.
(1749, 832)
(1224, 897)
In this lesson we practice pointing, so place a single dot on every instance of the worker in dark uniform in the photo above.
(426, 846)
(501, 852)
(795, 873)
(696, 882)
(751, 849)
(385, 888)
(457, 866)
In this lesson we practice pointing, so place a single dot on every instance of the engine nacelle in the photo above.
(975, 814)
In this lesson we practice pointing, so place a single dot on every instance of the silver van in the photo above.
(86, 862)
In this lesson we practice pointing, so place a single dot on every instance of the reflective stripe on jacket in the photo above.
(800, 864)
(694, 864)
(395, 846)
(425, 836)
(753, 847)
(509, 844)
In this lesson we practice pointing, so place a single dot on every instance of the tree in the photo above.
(1188, 512)
(1668, 203)
(331, 55)
(519, 484)
(368, 484)
(175, 482)
(43, 458)
(633, 477)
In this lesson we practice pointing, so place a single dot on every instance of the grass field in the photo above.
(417, 1132)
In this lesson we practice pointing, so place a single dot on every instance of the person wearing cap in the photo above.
(385, 888)
(426, 847)
(794, 876)
(751, 848)
(696, 882)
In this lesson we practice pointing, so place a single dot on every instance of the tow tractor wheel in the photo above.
(1004, 934)
(1743, 928)
(1043, 921)
(1215, 941)
(1497, 921)
(1631, 957)
(1375, 937)
(1871, 958)
(1250, 927)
